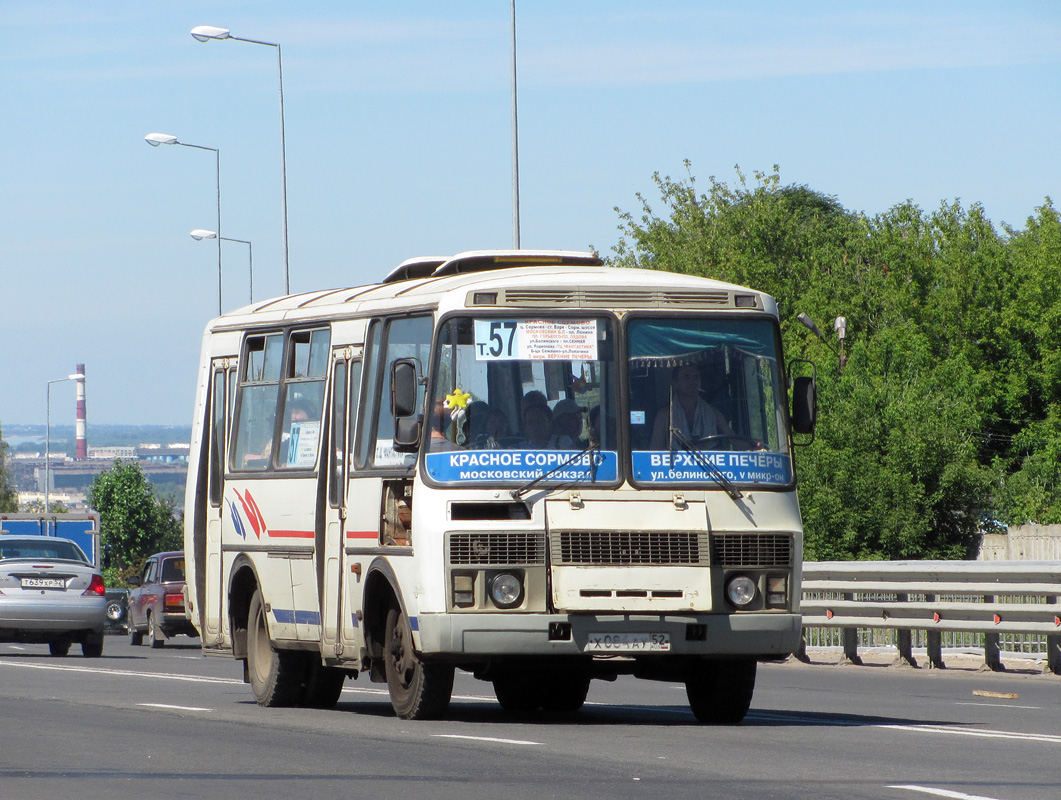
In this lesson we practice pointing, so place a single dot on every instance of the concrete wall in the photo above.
(1022, 542)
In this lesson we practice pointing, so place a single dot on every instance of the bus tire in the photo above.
(518, 693)
(276, 676)
(720, 692)
(417, 690)
(323, 686)
(565, 693)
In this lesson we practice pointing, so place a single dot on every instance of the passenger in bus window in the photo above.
(689, 412)
(566, 426)
(440, 426)
(537, 427)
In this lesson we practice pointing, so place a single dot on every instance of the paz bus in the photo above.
(521, 464)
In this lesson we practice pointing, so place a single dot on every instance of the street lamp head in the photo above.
(78, 377)
(809, 323)
(155, 139)
(203, 33)
(840, 326)
(199, 234)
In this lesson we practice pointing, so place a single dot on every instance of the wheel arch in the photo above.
(242, 584)
(381, 593)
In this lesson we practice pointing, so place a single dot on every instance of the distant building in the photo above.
(111, 453)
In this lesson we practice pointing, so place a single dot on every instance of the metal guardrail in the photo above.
(994, 598)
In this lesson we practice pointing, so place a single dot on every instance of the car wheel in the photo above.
(417, 690)
(155, 637)
(115, 611)
(136, 638)
(276, 676)
(92, 647)
(60, 648)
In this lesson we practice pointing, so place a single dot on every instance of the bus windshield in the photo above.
(518, 399)
(703, 393)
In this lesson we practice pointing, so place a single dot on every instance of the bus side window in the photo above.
(258, 397)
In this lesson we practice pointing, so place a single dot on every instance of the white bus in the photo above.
(521, 464)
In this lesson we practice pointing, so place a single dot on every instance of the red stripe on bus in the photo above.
(362, 534)
(291, 534)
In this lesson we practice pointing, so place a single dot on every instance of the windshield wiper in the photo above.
(705, 464)
(517, 494)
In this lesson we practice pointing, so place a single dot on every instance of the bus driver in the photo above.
(689, 412)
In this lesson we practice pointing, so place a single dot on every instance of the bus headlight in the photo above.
(506, 590)
(740, 590)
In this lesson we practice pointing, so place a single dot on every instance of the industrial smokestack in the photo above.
(82, 440)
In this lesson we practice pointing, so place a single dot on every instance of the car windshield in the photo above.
(40, 547)
(706, 402)
(520, 399)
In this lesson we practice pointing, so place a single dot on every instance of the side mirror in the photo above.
(804, 404)
(405, 389)
(134, 581)
(404, 383)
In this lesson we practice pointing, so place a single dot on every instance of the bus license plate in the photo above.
(43, 583)
(628, 642)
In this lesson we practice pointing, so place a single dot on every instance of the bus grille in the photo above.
(621, 548)
(497, 548)
(752, 549)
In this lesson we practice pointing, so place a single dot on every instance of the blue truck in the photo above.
(80, 528)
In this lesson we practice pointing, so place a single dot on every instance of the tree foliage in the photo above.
(8, 495)
(133, 522)
(946, 419)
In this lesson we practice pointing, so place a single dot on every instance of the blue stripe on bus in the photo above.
(288, 616)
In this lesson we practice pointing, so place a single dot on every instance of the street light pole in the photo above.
(199, 234)
(48, 436)
(204, 33)
(155, 139)
(515, 141)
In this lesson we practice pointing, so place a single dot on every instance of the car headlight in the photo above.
(506, 590)
(740, 590)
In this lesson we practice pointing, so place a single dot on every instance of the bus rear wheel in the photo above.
(720, 692)
(276, 676)
(518, 693)
(417, 690)
(565, 693)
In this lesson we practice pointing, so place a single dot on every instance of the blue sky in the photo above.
(398, 124)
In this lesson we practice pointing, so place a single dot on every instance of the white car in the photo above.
(51, 592)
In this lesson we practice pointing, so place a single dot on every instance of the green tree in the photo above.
(134, 523)
(8, 495)
(899, 467)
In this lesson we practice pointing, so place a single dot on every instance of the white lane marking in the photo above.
(1000, 705)
(384, 693)
(173, 708)
(484, 739)
(941, 792)
(982, 733)
(123, 672)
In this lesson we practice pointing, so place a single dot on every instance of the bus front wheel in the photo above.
(720, 692)
(417, 690)
(276, 676)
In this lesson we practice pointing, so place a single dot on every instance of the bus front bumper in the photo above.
(762, 635)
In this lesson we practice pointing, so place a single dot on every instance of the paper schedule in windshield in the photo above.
(535, 340)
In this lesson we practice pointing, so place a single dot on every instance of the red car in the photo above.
(156, 602)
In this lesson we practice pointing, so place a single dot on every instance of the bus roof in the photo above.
(506, 278)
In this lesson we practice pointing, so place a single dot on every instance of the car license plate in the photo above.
(628, 642)
(43, 583)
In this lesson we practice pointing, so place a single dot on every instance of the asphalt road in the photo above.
(171, 723)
